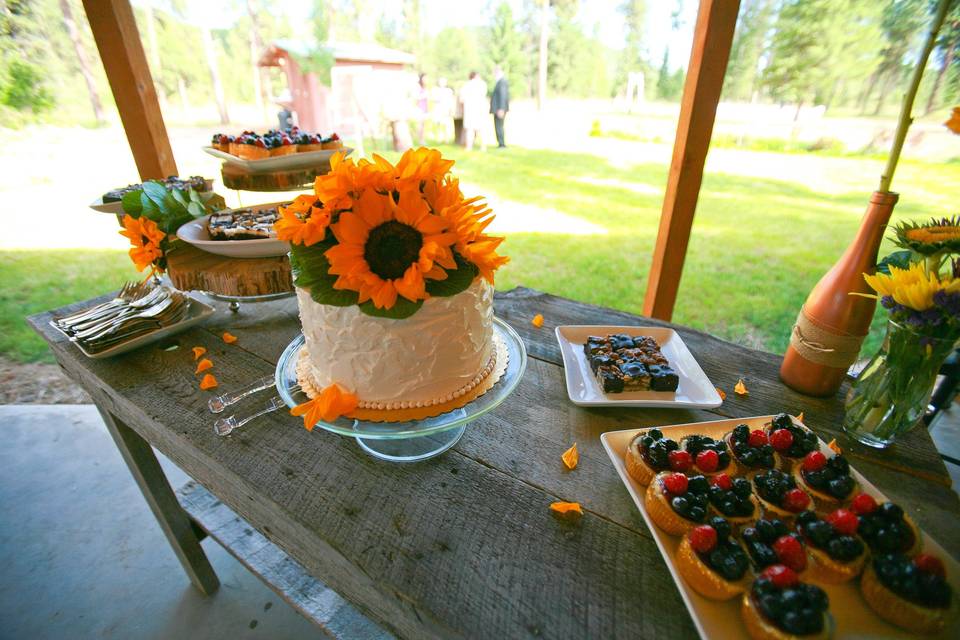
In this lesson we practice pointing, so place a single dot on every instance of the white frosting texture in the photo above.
(419, 360)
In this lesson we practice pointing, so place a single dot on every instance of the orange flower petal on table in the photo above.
(229, 338)
(835, 447)
(208, 382)
(800, 417)
(204, 365)
(198, 351)
(566, 509)
(570, 457)
(537, 320)
(332, 403)
(723, 395)
(740, 389)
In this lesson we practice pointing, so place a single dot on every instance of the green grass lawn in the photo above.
(757, 246)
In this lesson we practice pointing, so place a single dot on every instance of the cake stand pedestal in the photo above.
(411, 440)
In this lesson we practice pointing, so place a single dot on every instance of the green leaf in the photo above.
(898, 259)
(210, 201)
(180, 197)
(131, 203)
(457, 280)
(310, 271)
(156, 193)
(196, 210)
(402, 309)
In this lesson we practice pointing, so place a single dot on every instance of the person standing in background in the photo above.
(473, 95)
(423, 106)
(499, 104)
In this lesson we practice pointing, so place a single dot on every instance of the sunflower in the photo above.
(389, 245)
(418, 166)
(929, 238)
(468, 219)
(913, 287)
(348, 180)
(146, 239)
(304, 221)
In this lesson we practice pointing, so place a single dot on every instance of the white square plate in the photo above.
(852, 617)
(695, 389)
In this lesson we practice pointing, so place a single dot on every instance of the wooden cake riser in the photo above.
(191, 269)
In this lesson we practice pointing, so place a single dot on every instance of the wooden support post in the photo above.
(712, 38)
(115, 32)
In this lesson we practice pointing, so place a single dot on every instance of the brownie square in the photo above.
(663, 378)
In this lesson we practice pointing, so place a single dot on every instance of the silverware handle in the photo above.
(219, 403)
(226, 426)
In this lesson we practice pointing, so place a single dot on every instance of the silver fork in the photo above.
(155, 302)
(154, 314)
(226, 426)
(129, 292)
(221, 402)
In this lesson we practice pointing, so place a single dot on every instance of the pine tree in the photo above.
(749, 44)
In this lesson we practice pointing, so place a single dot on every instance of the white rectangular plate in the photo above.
(303, 160)
(854, 619)
(198, 312)
(695, 389)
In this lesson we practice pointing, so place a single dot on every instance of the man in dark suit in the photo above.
(499, 104)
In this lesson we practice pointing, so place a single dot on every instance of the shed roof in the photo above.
(354, 51)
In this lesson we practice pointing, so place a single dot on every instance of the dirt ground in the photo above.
(37, 383)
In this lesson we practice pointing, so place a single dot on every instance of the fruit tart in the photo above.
(252, 147)
(770, 542)
(733, 499)
(221, 141)
(750, 450)
(911, 593)
(331, 142)
(709, 457)
(677, 503)
(827, 480)
(838, 554)
(712, 562)
(780, 607)
(650, 452)
(791, 441)
(779, 495)
(308, 142)
(282, 144)
(885, 527)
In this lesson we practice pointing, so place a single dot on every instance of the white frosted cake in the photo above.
(434, 356)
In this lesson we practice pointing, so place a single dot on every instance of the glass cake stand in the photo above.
(413, 440)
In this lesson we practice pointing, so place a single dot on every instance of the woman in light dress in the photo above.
(473, 97)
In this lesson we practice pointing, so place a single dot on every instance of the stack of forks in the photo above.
(138, 309)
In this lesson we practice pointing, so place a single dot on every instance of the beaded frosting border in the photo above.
(403, 411)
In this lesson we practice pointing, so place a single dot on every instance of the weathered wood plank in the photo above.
(288, 579)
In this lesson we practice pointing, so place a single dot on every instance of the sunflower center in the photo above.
(391, 248)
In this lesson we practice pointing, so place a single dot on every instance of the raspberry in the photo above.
(863, 504)
(781, 439)
(796, 500)
(675, 483)
(844, 521)
(814, 461)
(708, 460)
(680, 460)
(781, 576)
(930, 564)
(757, 438)
(703, 538)
(791, 553)
(723, 481)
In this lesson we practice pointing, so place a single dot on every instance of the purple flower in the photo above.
(949, 303)
(931, 317)
(887, 302)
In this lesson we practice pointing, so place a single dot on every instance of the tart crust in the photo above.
(826, 569)
(662, 513)
(283, 150)
(302, 148)
(253, 152)
(760, 629)
(702, 578)
(900, 611)
(739, 520)
(637, 467)
(823, 501)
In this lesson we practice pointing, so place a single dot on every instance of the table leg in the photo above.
(174, 521)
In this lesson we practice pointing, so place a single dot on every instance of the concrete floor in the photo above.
(81, 555)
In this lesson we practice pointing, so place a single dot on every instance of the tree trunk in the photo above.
(256, 48)
(865, 96)
(542, 61)
(211, 56)
(82, 60)
(947, 60)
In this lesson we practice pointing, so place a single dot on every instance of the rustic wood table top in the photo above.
(464, 544)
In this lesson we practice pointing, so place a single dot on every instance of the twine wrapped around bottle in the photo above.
(822, 346)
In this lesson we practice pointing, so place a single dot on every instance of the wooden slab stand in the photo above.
(192, 269)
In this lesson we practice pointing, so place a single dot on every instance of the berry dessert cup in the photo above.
(911, 593)
(332, 142)
(253, 147)
(283, 145)
(770, 542)
(750, 450)
(650, 452)
(677, 503)
(709, 457)
(827, 480)
(712, 562)
(779, 495)
(791, 441)
(780, 607)
(733, 499)
(838, 554)
(885, 527)
(308, 142)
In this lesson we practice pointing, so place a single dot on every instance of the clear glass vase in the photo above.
(892, 393)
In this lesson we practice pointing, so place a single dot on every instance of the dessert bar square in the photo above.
(242, 224)
(626, 363)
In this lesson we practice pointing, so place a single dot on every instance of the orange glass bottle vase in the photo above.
(832, 324)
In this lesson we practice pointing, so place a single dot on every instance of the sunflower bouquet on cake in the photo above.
(388, 237)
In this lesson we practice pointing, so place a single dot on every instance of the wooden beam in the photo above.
(712, 38)
(115, 32)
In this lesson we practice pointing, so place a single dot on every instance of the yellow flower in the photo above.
(912, 287)
(145, 238)
(421, 165)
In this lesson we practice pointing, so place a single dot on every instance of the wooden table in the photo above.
(462, 545)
